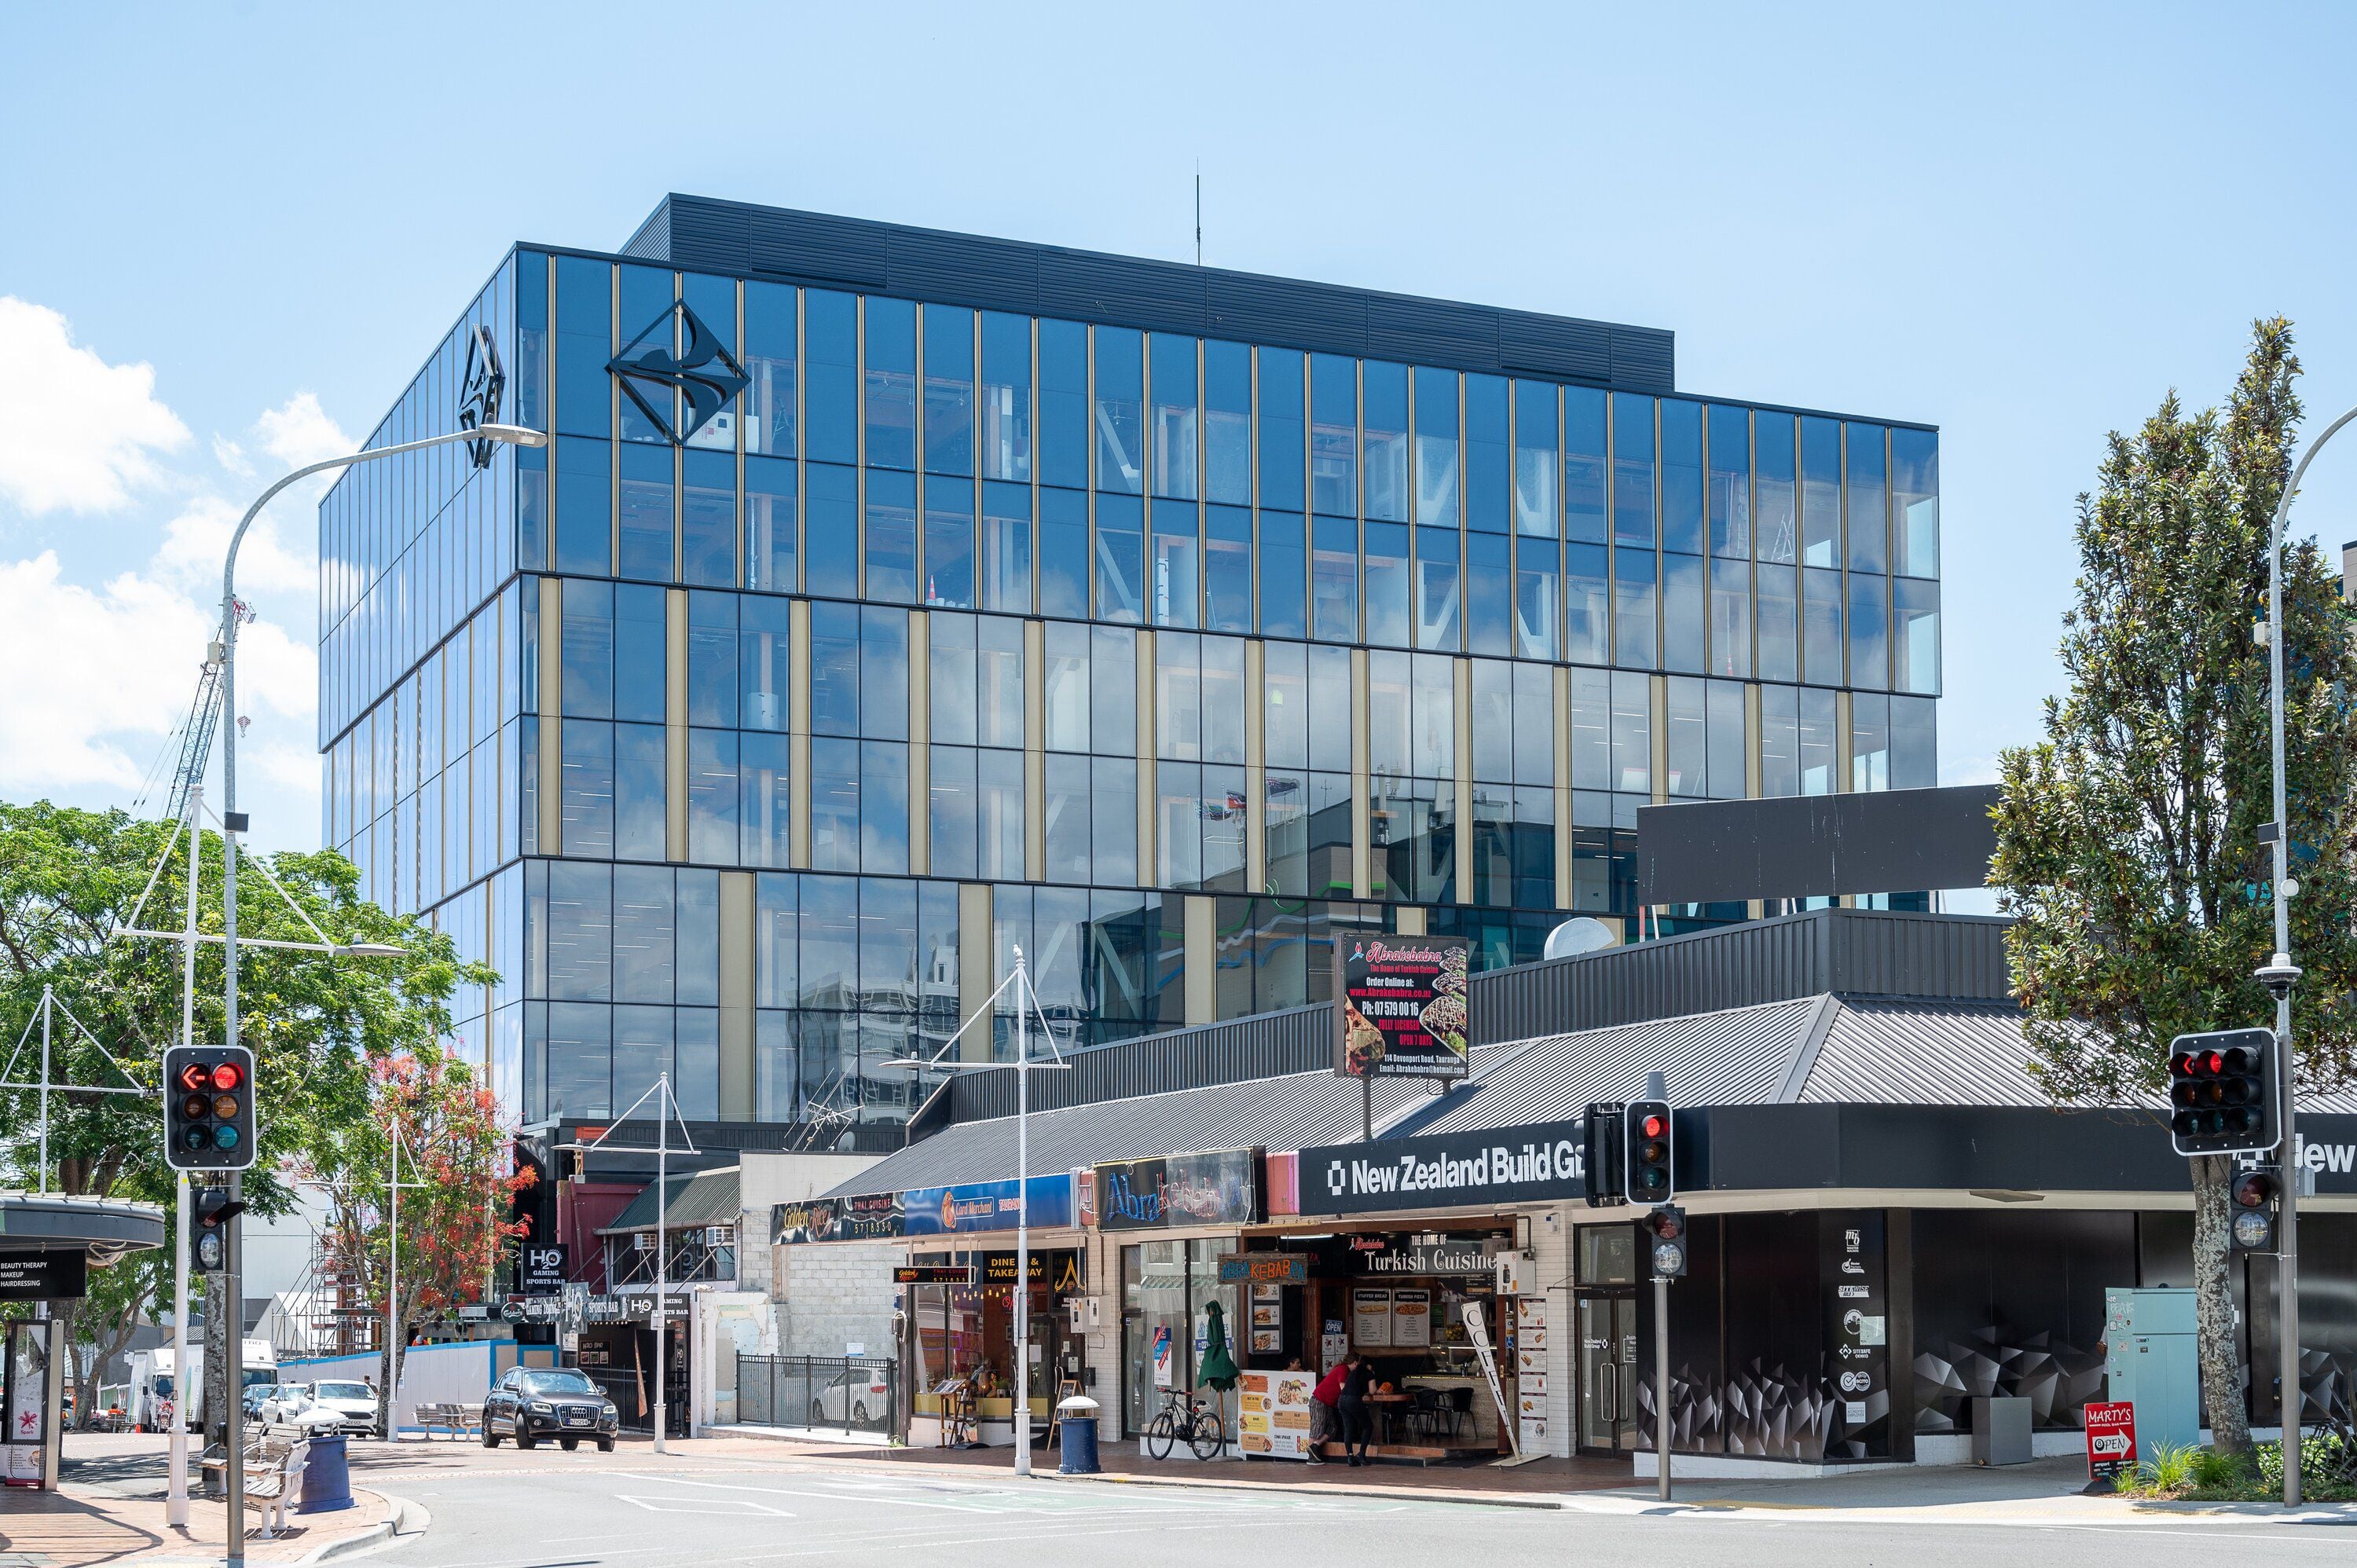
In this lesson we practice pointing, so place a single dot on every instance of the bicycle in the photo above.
(1186, 1419)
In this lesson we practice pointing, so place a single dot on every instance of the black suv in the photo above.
(534, 1402)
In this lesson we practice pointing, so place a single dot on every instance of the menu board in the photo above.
(1273, 1414)
(1411, 1318)
(1267, 1319)
(1530, 1373)
(1370, 1319)
(1400, 1006)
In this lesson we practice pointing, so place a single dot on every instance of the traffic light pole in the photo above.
(232, 1279)
(1662, 1381)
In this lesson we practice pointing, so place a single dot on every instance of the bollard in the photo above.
(1078, 1416)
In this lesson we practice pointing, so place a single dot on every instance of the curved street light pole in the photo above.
(233, 1373)
(2288, 1400)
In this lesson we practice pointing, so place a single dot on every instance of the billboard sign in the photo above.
(1400, 1006)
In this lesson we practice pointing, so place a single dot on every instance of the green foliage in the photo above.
(316, 1022)
(2128, 838)
(2209, 1470)
(2167, 1469)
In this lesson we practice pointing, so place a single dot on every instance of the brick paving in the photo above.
(84, 1526)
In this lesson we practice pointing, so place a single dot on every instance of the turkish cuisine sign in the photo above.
(1400, 1006)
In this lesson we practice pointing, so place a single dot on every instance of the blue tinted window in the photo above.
(646, 295)
(949, 541)
(1437, 608)
(764, 663)
(640, 653)
(1005, 418)
(949, 390)
(1536, 477)
(1175, 567)
(1284, 585)
(883, 806)
(1120, 411)
(770, 355)
(1064, 403)
(1778, 616)
(1383, 450)
(1005, 565)
(1489, 594)
(1776, 524)
(1435, 446)
(1063, 553)
(1389, 591)
(1227, 423)
(834, 669)
(531, 508)
(831, 374)
(1633, 619)
(1334, 435)
(1489, 485)
(1821, 466)
(890, 383)
(1280, 428)
(765, 798)
(1730, 482)
(1681, 612)
(1334, 579)
(585, 507)
(1820, 627)
(1915, 504)
(1869, 529)
(1632, 470)
(1730, 618)
(1537, 596)
(1227, 569)
(1584, 466)
(1176, 454)
(1869, 646)
(588, 649)
(832, 558)
(770, 531)
(712, 659)
(584, 304)
(707, 520)
(1121, 559)
(531, 328)
(1682, 526)
(892, 539)
(646, 513)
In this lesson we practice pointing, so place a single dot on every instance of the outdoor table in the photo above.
(1387, 1407)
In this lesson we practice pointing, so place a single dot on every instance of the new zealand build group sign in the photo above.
(1459, 1170)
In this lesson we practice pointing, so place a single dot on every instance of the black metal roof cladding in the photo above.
(695, 232)
(1857, 952)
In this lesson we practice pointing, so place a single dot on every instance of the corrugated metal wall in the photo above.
(1862, 952)
(1163, 297)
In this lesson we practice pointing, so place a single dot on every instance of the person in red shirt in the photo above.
(1325, 1415)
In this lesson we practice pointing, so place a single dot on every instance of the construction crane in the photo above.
(196, 732)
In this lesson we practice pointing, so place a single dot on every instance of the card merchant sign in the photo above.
(1400, 1006)
(1457, 1170)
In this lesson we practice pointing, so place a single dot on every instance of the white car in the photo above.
(323, 1408)
(855, 1397)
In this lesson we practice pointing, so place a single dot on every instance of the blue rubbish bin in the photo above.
(327, 1478)
(1079, 1415)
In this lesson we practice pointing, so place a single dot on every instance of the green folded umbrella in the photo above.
(1219, 1367)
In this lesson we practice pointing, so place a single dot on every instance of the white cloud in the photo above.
(98, 677)
(298, 432)
(76, 432)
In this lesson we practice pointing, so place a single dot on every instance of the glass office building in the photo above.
(888, 600)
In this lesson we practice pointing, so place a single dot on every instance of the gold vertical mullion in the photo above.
(799, 731)
(675, 724)
(1462, 743)
(921, 733)
(1362, 803)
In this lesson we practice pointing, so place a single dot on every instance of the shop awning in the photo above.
(1289, 1112)
(707, 1197)
(105, 1227)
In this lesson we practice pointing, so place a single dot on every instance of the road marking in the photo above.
(729, 1507)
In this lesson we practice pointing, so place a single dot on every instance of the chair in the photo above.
(279, 1479)
(1422, 1418)
(1457, 1406)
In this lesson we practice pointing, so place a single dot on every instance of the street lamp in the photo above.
(233, 823)
(2278, 975)
(1027, 1001)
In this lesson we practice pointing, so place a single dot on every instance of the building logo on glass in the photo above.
(478, 399)
(703, 371)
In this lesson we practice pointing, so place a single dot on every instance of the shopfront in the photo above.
(959, 1353)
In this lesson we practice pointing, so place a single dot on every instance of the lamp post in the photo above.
(233, 823)
(1025, 1004)
(2279, 975)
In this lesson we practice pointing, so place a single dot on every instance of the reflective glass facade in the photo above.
(754, 755)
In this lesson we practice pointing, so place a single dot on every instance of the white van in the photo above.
(155, 1382)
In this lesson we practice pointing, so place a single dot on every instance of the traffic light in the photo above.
(1666, 1227)
(209, 1234)
(1648, 1145)
(208, 1107)
(2222, 1092)
(2250, 1210)
(1601, 1168)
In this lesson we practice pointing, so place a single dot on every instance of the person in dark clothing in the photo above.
(1324, 1413)
(1358, 1425)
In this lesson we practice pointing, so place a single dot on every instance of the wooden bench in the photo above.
(273, 1477)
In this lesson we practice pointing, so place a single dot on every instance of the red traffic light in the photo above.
(228, 1075)
(1653, 1127)
(2254, 1189)
(1667, 1224)
(195, 1077)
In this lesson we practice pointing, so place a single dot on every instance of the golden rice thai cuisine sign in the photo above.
(1400, 1006)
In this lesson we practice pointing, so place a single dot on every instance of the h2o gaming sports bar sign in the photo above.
(1456, 1170)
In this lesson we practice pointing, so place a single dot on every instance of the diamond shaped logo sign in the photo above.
(703, 371)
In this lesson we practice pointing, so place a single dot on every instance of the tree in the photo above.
(68, 878)
(2127, 839)
(454, 1226)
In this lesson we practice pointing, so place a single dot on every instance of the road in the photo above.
(635, 1510)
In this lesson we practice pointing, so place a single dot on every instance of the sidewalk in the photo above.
(81, 1525)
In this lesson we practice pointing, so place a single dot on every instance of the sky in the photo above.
(230, 233)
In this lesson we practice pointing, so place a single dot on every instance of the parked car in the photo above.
(256, 1398)
(861, 1391)
(534, 1402)
(352, 1406)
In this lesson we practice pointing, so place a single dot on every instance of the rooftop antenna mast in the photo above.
(1199, 213)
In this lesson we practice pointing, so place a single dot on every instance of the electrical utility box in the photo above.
(2148, 1356)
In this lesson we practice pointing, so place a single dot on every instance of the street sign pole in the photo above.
(1662, 1380)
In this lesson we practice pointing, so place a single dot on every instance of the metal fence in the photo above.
(631, 1393)
(837, 1393)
